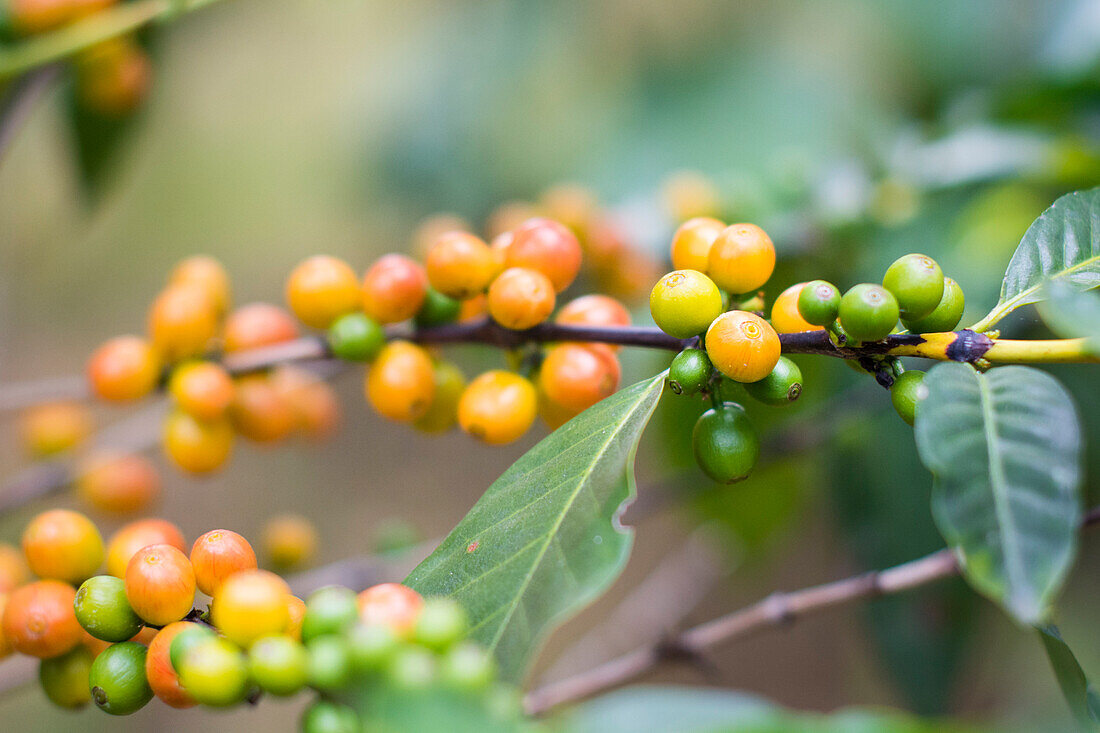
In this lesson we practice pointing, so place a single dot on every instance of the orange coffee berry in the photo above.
(394, 288)
(124, 368)
(202, 389)
(692, 242)
(113, 76)
(547, 247)
(55, 427)
(321, 289)
(39, 619)
(577, 376)
(498, 407)
(390, 604)
(311, 400)
(14, 571)
(118, 483)
(160, 584)
(594, 310)
(218, 554)
(785, 315)
(296, 609)
(251, 604)
(63, 545)
(741, 259)
(400, 384)
(256, 325)
(197, 446)
(258, 411)
(182, 322)
(460, 265)
(159, 670)
(474, 308)
(132, 537)
(290, 541)
(521, 298)
(207, 274)
(743, 346)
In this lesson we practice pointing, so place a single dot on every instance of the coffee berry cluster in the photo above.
(120, 638)
(713, 295)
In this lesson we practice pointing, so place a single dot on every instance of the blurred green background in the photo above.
(854, 131)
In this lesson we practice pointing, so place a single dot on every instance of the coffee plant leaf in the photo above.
(1083, 700)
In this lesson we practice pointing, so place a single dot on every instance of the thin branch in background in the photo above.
(20, 101)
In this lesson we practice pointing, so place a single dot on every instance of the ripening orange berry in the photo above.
(296, 609)
(553, 414)
(50, 428)
(743, 346)
(113, 76)
(218, 554)
(394, 288)
(741, 259)
(124, 368)
(595, 310)
(182, 322)
(577, 376)
(692, 242)
(39, 619)
(321, 289)
(197, 446)
(13, 568)
(785, 315)
(159, 670)
(118, 483)
(311, 399)
(202, 389)
(251, 604)
(499, 247)
(460, 265)
(547, 247)
(256, 325)
(207, 274)
(160, 584)
(63, 545)
(5, 645)
(498, 407)
(400, 384)
(290, 541)
(258, 411)
(521, 298)
(132, 537)
(390, 604)
(474, 308)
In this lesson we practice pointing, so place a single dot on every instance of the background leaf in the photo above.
(1072, 313)
(544, 540)
(1005, 450)
(1082, 697)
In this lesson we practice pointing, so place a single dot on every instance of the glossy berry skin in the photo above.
(63, 545)
(786, 317)
(51, 428)
(182, 322)
(371, 647)
(186, 636)
(725, 443)
(916, 281)
(251, 604)
(329, 666)
(781, 387)
(258, 411)
(329, 717)
(741, 259)
(468, 667)
(521, 298)
(743, 346)
(400, 384)
(64, 679)
(117, 679)
(39, 620)
(442, 414)
(320, 289)
(103, 611)
(437, 310)
(868, 312)
(684, 302)
(819, 302)
(160, 584)
(547, 247)
(197, 446)
(218, 554)
(577, 376)
(460, 265)
(159, 671)
(692, 242)
(123, 369)
(202, 389)
(441, 624)
(907, 392)
(215, 673)
(689, 372)
(946, 315)
(289, 541)
(390, 604)
(498, 407)
(595, 310)
(118, 483)
(125, 543)
(394, 288)
(329, 610)
(278, 664)
(207, 274)
(356, 337)
(256, 325)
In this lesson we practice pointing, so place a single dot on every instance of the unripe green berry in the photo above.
(438, 309)
(441, 623)
(371, 647)
(818, 302)
(215, 673)
(278, 664)
(329, 610)
(689, 372)
(917, 283)
(868, 312)
(782, 387)
(684, 303)
(725, 443)
(329, 663)
(64, 679)
(947, 314)
(330, 717)
(907, 392)
(117, 679)
(185, 640)
(102, 609)
(411, 668)
(356, 337)
(467, 666)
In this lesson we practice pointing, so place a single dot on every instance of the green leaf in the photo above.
(1063, 244)
(1005, 450)
(1084, 702)
(1072, 313)
(545, 538)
